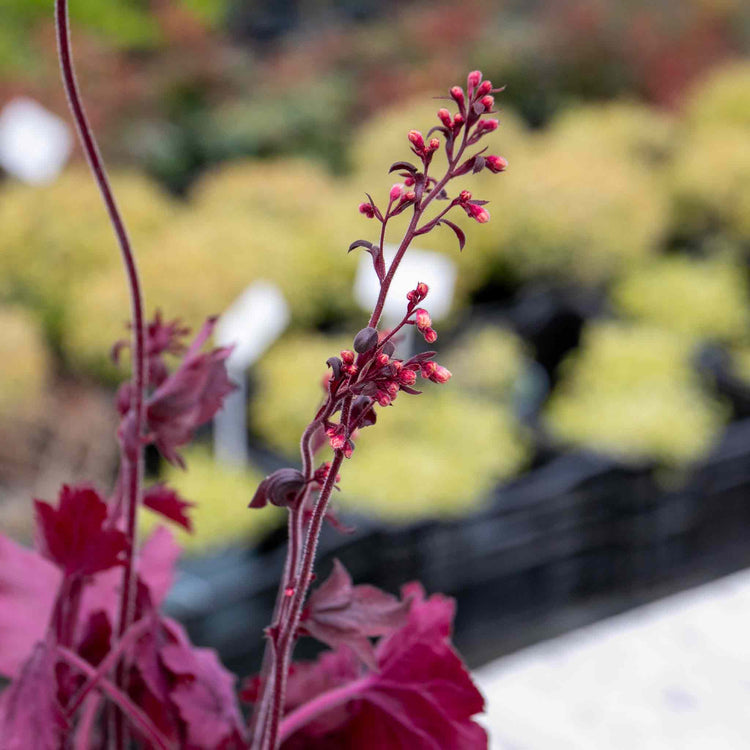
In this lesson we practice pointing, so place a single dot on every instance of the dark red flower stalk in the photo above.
(366, 377)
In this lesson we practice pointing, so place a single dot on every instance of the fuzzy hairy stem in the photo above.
(132, 467)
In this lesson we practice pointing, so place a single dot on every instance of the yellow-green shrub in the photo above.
(487, 361)
(437, 454)
(703, 299)
(221, 495)
(25, 368)
(631, 391)
(722, 99)
(55, 238)
(710, 184)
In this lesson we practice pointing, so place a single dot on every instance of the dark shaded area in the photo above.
(578, 539)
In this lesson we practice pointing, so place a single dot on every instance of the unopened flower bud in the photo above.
(430, 335)
(488, 102)
(409, 181)
(417, 140)
(458, 95)
(422, 318)
(479, 213)
(445, 117)
(458, 120)
(396, 191)
(465, 196)
(383, 398)
(434, 144)
(422, 289)
(351, 369)
(367, 210)
(473, 79)
(441, 375)
(397, 365)
(392, 389)
(484, 88)
(383, 359)
(365, 340)
(428, 369)
(409, 196)
(407, 377)
(487, 126)
(495, 163)
(347, 356)
(348, 449)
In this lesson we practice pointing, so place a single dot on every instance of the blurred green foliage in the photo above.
(631, 392)
(649, 210)
(26, 370)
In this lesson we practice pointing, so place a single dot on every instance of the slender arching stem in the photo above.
(131, 459)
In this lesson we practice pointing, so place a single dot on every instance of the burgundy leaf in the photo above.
(422, 697)
(188, 398)
(73, 535)
(458, 231)
(339, 613)
(30, 716)
(408, 166)
(167, 501)
(28, 584)
(204, 696)
(97, 635)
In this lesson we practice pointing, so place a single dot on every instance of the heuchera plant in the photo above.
(92, 660)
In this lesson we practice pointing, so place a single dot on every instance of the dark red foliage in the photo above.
(189, 397)
(422, 697)
(203, 692)
(168, 503)
(341, 614)
(74, 536)
(30, 716)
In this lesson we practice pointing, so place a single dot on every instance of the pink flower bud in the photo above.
(348, 449)
(488, 102)
(409, 181)
(422, 318)
(441, 375)
(484, 88)
(458, 120)
(445, 117)
(367, 210)
(395, 193)
(495, 163)
(487, 126)
(430, 335)
(409, 196)
(416, 139)
(434, 144)
(407, 377)
(465, 196)
(458, 95)
(428, 369)
(383, 359)
(473, 79)
(480, 213)
(350, 369)
(392, 389)
(383, 398)
(397, 365)
(347, 356)
(422, 289)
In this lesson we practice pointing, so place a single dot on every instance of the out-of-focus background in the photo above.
(591, 453)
